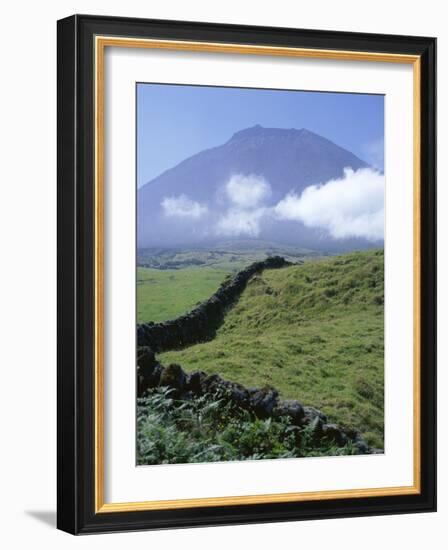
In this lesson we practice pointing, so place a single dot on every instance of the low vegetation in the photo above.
(211, 429)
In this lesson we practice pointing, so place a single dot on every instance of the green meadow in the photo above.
(166, 294)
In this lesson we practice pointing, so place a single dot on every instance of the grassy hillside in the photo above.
(313, 331)
(163, 295)
(172, 281)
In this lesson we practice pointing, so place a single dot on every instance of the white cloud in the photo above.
(247, 195)
(247, 191)
(237, 222)
(183, 207)
(352, 206)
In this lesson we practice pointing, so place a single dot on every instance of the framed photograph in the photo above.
(246, 274)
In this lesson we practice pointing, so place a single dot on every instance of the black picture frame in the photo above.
(76, 256)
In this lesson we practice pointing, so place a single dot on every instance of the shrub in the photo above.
(211, 428)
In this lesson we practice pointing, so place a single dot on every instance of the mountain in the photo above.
(288, 159)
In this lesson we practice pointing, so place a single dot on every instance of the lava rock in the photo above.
(195, 381)
(334, 433)
(292, 409)
(213, 384)
(146, 357)
(361, 446)
(149, 370)
(239, 395)
(311, 413)
(263, 401)
(359, 443)
(174, 377)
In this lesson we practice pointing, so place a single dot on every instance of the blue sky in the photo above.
(175, 122)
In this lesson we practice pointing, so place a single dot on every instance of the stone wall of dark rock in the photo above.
(201, 323)
(259, 402)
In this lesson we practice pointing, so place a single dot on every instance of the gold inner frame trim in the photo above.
(101, 42)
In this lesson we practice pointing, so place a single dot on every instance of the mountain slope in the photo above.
(315, 332)
(289, 160)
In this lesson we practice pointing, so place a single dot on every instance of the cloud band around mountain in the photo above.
(246, 195)
(239, 222)
(183, 207)
(351, 206)
(247, 192)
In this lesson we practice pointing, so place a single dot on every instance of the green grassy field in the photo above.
(163, 295)
(314, 331)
